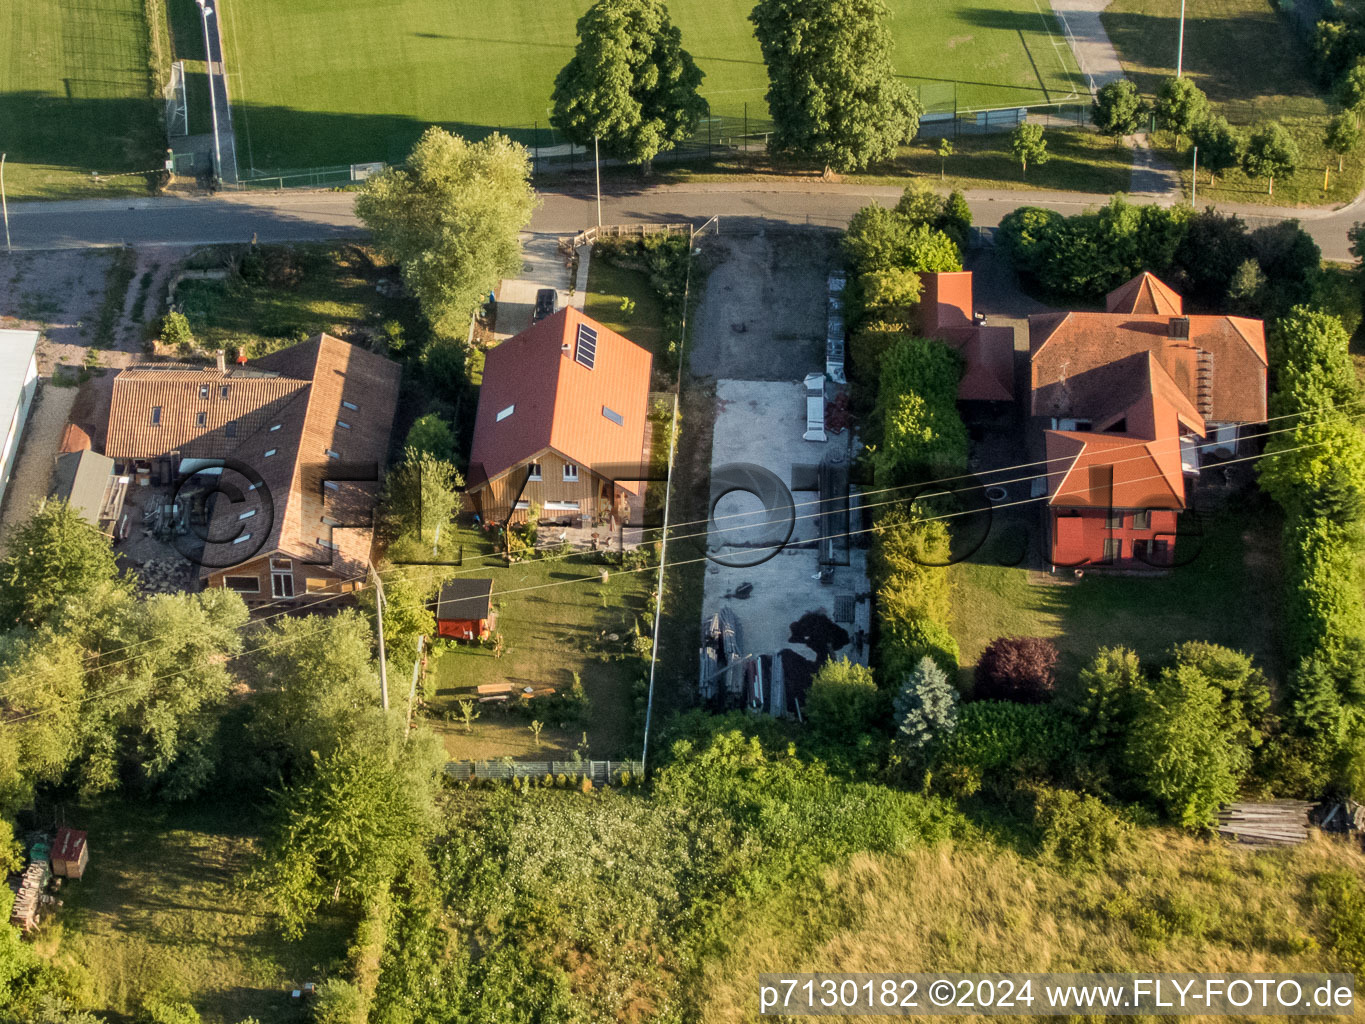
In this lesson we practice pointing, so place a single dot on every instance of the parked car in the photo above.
(546, 300)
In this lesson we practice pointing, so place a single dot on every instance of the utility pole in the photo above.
(1194, 175)
(4, 204)
(204, 11)
(597, 161)
(379, 624)
(412, 692)
(1180, 46)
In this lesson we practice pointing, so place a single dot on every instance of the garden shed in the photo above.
(70, 853)
(464, 609)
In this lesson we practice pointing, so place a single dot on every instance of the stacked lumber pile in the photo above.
(1273, 823)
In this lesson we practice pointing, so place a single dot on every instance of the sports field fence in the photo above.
(718, 135)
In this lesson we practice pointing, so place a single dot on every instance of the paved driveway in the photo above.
(544, 267)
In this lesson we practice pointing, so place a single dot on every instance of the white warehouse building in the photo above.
(18, 385)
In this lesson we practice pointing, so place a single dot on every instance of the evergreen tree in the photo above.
(926, 707)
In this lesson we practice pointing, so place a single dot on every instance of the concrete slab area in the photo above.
(760, 424)
(544, 266)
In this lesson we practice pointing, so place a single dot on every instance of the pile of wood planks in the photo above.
(1272, 823)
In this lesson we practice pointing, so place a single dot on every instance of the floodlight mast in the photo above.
(204, 11)
(1180, 46)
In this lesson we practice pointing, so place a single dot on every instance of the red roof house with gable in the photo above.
(987, 352)
(562, 422)
(1129, 401)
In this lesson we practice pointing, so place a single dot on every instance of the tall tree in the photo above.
(421, 494)
(1028, 145)
(926, 706)
(1342, 136)
(833, 92)
(1220, 145)
(59, 569)
(1180, 106)
(630, 83)
(1118, 108)
(451, 217)
(1271, 152)
(1351, 91)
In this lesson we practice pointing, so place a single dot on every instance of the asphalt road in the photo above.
(298, 216)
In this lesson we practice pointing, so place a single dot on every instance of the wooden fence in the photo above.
(602, 773)
(590, 235)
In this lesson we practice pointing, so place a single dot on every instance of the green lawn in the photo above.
(1253, 67)
(160, 913)
(474, 66)
(1228, 594)
(335, 292)
(74, 98)
(608, 286)
(557, 617)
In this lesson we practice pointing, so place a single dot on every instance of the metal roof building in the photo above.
(18, 385)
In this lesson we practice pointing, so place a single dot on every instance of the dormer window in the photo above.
(503, 414)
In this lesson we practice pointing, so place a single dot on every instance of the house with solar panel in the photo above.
(562, 426)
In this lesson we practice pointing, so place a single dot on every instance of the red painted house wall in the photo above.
(1078, 536)
(462, 629)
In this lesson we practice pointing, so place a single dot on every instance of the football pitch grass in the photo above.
(74, 96)
(326, 82)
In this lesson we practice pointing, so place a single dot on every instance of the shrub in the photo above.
(843, 701)
(1006, 743)
(1017, 668)
(175, 330)
(1077, 828)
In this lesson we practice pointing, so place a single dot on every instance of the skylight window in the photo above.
(201, 419)
(506, 412)
(343, 425)
(586, 352)
(223, 392)
(156, 415)
(277, 426)
(351, 405)
(242, 539)
(333, 455)
(203, 391)
(270, 451)
(247, 514)
(614, 416)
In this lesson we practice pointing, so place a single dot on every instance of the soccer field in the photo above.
(74, 95)
(322, 82)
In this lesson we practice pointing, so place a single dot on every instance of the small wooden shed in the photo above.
(464, 609)
(70, 853)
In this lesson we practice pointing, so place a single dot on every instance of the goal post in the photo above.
(177, 105)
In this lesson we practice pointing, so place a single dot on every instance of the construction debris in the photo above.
(1273, 823)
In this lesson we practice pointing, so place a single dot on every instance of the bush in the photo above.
(843, 702)
(1017, 668)
(1006, 743)
(1075, 828)
(921, 432)
(175, 331)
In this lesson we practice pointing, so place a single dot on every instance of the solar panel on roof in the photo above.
(586, 352)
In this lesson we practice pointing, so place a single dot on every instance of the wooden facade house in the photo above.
(562, 425)
(301, 436)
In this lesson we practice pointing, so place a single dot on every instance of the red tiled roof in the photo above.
(987, 352)
(1220, 367)
(1138, 466)
(1145, 293)
(299, 393)
(558, 403)
(946, 300)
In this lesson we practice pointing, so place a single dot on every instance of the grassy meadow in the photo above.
(478, 67)
(75, 97)
(1247, 58)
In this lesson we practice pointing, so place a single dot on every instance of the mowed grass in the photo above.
(75, 98)
(609, 287)
(1248, 60)
(1171, 903)
(161, 912)
(557, 618)
(321, 82)
(1227, 594)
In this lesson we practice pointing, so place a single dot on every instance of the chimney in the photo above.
(222, 361)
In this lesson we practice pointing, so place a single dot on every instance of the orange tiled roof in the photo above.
(558, 403)
(1145, 293)
(987, 352)
(1220, 366)
(296, 404)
